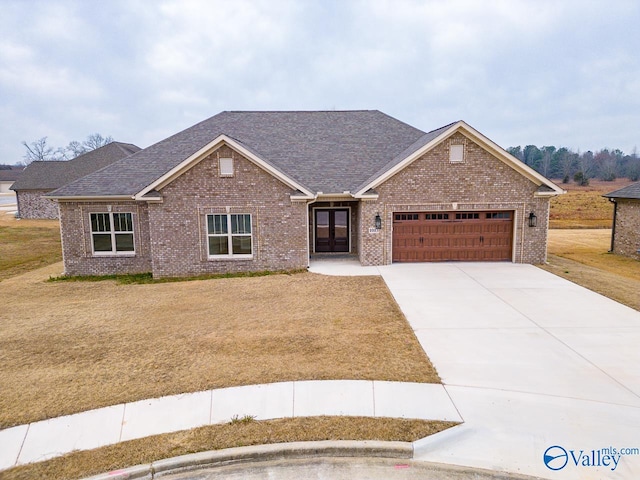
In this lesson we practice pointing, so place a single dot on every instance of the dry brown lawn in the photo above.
(584, 207)
(67, 347)
(147, 450)
(582, 257)
(27, 244)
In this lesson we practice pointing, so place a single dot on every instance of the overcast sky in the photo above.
(560, 72)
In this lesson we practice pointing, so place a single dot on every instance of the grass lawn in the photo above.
(147, 450)
(27, 244)
(584, 207)
(67, 347)
(582, 257)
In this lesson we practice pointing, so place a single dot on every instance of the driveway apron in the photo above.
(531, 361)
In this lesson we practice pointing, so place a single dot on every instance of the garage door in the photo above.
(451, 236)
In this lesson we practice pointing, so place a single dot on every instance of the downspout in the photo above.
(315, 199)
(613, 228)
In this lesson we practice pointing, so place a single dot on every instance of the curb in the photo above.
(262, 453)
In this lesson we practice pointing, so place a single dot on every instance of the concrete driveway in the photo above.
(531, 361)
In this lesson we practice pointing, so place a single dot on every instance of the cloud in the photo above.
(520, 71)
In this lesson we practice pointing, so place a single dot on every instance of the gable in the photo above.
(460, 133)
(433, 178)
(214, 148)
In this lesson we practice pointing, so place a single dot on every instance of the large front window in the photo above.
(229, 235)
(112, 234)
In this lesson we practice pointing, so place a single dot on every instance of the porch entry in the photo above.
(332, 230)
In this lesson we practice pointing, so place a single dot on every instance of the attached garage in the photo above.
(453, 236)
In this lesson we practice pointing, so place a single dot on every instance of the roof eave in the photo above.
(89, 198)
(196, 157)
(476, 136)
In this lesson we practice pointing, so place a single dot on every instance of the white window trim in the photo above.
(229, 235)
(220, 169)
(113, 233)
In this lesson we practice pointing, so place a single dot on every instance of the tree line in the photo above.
(40, 150)
(579, 167)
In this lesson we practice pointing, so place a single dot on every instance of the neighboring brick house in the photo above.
(625, 236)
(251, 191)
(8, 176)
(42, 177)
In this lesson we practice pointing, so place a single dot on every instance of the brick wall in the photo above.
(178, 236)
(627, 240)
(75, 230)
(31, 204)
(432, 183)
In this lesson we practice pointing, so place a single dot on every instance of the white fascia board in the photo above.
(549, 194)
(333, 196)
(364, 196)
(196, 157)
(485, 142)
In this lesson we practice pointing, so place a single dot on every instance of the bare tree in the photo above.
(74, 149)
(39, 151)
(95, 140)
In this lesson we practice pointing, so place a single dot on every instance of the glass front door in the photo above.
(332, 230)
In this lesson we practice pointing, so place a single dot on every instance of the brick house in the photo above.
(252, 191)
(8, 176)
(625, 235)
(42, 177)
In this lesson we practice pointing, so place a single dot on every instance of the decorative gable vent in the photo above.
(456, 150)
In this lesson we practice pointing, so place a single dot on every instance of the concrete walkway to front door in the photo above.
(531, 361)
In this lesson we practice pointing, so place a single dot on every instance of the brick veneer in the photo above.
(178, 237)
(75, 229)
(627, 236)
(32, 204)
(432, 183)
(171, 236)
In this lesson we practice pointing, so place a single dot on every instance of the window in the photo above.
(229, 235)
(226, 167)
(456, 153)
(506, 215)
(436, 216)
(112, 234)
(467, 216)
(407, 216)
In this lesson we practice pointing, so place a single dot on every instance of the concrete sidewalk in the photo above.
(96, 428)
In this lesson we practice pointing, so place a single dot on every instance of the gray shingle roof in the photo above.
(325, 151)
(10, 174)
(630, 191)
(49, 175)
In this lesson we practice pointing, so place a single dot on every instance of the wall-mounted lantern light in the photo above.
(378, 221)
(533, 220)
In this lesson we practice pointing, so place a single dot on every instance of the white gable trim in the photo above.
(480, 139)
(198, 156)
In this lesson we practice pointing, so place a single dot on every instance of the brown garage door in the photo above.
(450, 236)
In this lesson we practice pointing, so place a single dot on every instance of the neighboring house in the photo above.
(252, 191)
(8, 177)
(625, 236)
(42, 177)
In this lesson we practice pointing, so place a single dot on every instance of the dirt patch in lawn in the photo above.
(584, 207)
(147, 450)
(582, 257)
(27, 244)
(67, 347)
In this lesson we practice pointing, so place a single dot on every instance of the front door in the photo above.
(332, 230)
